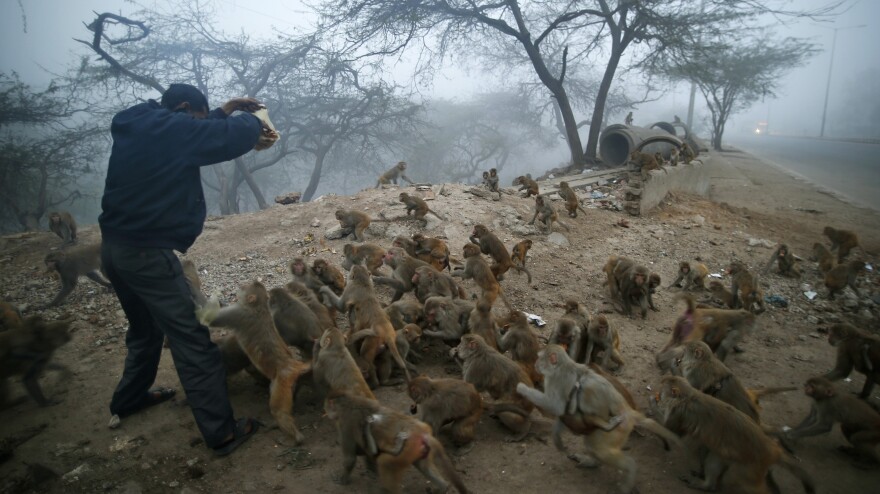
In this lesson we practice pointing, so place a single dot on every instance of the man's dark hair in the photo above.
(184, 93)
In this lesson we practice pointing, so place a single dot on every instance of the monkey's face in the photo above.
(402, 165)
(485, 175)
(782, 252)
(479, 231)
(318, 267)
(602, 328)
(468, 346)
(539, 201)
(639, 279)
(339, 214)
(360, 275)
(54, 219)
(298, 267)
(493, 172)
(470, 250)
(403, 197)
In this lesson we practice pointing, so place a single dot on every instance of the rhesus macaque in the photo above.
(353, 222)
(303, 273)
(235, 360)
(492, 181)
(570, 336)
(403, 268)
(603, 337)
(687, 153)
(391, 175)
(842, 240)
(659, 157)
(62, 224)
(629, 119)
(572, 202)
(519, 252)
(526, 184)
(418, 207)
(735, 443)
(744, 287)
(295, 322)
(326, 318)
(404, 312)
(431, 283)
(26, 350)
(823, 255)
(578, 313)
(447, 401)
(481, 322)
(855, 350)
(369, 255)
(859, 421)
(407, 338)
(785, 260)
(720, 292)
(653, 284)
(673, 156)
(645, 162)
(478, 269)
(367, 313)
(589, 405)
(492, 247)
(614, 269)
(251, 321)
(10, 316)
(490, 371)
(522, 343)
(843, 275)
(548, 215)
(73, 263)
(334, 369)
(391, 442)
(329, 275)
(384, 360)
(692, 276)
(721, 329)
(634, 288)
(434, 251)
(449, 316)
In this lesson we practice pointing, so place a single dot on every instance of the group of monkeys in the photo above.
(646, 162)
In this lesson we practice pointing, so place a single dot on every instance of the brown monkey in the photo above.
(614, 268)
(691, 276)
(296, 323)
(855, 350)
(235, 360)
(403, 267)
(398, 170)
(334, 368)
(26, 350)
(526, 184)
(251, 322)
(659, 157)
(859, 422)
(490, 371)
(391, 442)
(522, 343)
(645, 162)
(735, 443)
(589, 405)
(721, 329)
(10, 316)
(326, 318)
(478, 269)
(329, 275)
(823, 255)
(548, 215)
(785, 260)
(572, 203)
(653, 283)
(519, 252)
(369, 255)
(360, 297)
(353, 222)
(687, 153)
(720, 292)
(492, 181)
(418, 207)
(843, 275)
(842, 240)
(305, 274)
(570, 336)
(578, 313)
(404, 312)
(673, 156)
(482, 322)
(62, 224)
(447, 401)
(449, 316)
(744, 287)
(431, 283)
(634, 288)
(434, 251)
(603, 337)
(407, 338)
(492, 247)
(71, 264)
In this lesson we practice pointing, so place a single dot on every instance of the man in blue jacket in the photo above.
(153, 204)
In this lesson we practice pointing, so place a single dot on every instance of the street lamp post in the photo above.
(830, 66)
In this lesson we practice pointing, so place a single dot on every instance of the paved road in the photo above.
(851, 169)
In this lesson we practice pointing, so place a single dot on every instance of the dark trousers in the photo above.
(156, 299)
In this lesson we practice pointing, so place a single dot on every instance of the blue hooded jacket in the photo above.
(153, 193)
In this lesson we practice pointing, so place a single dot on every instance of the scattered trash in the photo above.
(715, 275)
(869, 267)
(551, 176)
(785, 428)
(754, 242)
(596, 195)
(806, 287)
(776, 300)
(315, 223)
(810, 295)
(537, 320)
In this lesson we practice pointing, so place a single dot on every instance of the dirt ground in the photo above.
(68, 447)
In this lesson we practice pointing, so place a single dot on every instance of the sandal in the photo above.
(154, 397)
(243, 430)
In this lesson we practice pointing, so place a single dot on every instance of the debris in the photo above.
(536, 320)
(289, 198)
(715, 275)
(807, 210)
(622, 223)
(558, 239)
(810, 295)
(596, 195)
(753, 242)
(776, 300)
(315, 223)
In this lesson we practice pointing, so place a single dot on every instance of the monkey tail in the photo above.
(758, 393)
(652, 426)
(435, 214)
(523, 269)
(789, 463)
(445, 465)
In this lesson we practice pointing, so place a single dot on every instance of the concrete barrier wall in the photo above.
(692, 179)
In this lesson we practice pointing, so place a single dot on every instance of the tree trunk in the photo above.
(599, 109)
(246, 174)
(315, 179)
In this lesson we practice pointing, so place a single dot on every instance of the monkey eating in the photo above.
(62, 224)
(391, 176)
(785, 261)
(353, 222)
(692, 276)
(73, 263)
(744, 287)
(855, 350)
(526, 184)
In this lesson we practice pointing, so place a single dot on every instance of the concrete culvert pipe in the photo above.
(618, 141)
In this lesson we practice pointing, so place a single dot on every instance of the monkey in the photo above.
(687, 153)
(589, 405)
(492, 247)
(26, 350)
(634, 287)
(407, 338)
(695, 276)
(486, 179)
(673, 156)
(653, 283)
(579, 314)
(548, 215)
(450, 316)
(403, 268)
(360, 296)
(235, 360)
(405, 312)
(720, 292)
(826, 260)
(526, 184)
(62, 224)
(431, 283)
(434, 251)
(195, 283)
(353, 222)
(391, 175)
(645, 162)
(10, 316)
(329, 275)
(478, 269)
(859, 422)
(334, 368)
(412, 247)
(518, 254)
(735, 443)
(447, 401)
(482, 322)
(603, 337)
(251, 321)
(569, 334)
(490, 371)
(418, 207)
(721, 329)
(522, 343)
(295, 322)
(492, 181)
(326, 318)
(659, 157)
(855, 350)
(572, 203)
(785, 259)
(842, 240)
(843, 275)
(629, 119)
(384, 360)
(744, 288)
(614, 269)
(391, 441)
(305, 274)
(368, 254)
(71, 264)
